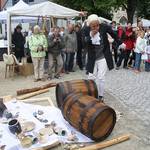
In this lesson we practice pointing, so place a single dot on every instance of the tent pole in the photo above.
(8, 33)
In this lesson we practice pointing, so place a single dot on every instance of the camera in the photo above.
(40, 48)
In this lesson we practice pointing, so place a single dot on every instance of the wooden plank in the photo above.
(26, 91)
(7, 98)
(31, 94)
(107, 143)
(39, 100)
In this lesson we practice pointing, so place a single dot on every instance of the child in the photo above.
(147, 62)
(139, 50)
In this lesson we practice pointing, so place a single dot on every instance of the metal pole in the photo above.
(8, 33)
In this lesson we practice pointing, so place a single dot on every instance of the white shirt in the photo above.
(140, 45)
(95, 39)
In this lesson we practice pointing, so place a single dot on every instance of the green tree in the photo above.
(104, 7)
(144, 9)
(85, 5)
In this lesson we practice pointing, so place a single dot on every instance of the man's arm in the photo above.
(113, 35)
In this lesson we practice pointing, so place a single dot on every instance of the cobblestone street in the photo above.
(133, 90)
(125, 91)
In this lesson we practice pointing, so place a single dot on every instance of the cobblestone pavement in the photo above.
(125, 91)
(131, 89)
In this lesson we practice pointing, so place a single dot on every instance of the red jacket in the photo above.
(120, 32)
(129, 40)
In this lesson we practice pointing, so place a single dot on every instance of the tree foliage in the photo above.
(144, 9)
(103, 7)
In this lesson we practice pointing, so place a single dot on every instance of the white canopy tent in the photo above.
(146, 23)
(47, 9)
(104, 20)
(20, 5)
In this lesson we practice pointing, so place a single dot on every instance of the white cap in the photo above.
(92, 17)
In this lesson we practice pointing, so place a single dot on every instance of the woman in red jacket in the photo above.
(129, 42)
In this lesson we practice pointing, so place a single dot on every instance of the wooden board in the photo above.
(25, 96)
(43, 101)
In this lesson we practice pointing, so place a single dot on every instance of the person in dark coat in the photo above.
(79, 46)
(18, 40)
(99, 54)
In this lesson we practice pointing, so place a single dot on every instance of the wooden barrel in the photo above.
(89, 116)
(86, 87)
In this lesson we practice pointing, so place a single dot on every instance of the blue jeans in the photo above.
(147, 66)
(69, 62)
(137, 61)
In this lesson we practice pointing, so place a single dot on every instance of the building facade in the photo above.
(120, 16)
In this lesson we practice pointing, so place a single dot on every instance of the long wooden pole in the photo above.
(25, 91)
(32, 94)
(107, 143)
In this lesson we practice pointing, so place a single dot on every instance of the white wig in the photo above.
(92, 17)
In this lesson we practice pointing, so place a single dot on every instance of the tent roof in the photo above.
(46, 9)
(146, 23)
(104, 19)
(20, 5)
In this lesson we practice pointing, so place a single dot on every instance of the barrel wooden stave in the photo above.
(96, 122)
(86, 87)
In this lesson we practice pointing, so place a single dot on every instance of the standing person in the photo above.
(115, 44)
(55, 45)
(129, 42)
(99, 55)
(62, 31)
(79, 47)
(147, 51)
(139, 50)
(38, 47)
(85, 33)
(70, 40)
(18, 40)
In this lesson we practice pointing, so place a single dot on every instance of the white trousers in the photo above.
(38, 64)
(100, 69)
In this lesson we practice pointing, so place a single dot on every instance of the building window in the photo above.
(31, 0)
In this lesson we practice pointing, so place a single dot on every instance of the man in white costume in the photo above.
(99, 54)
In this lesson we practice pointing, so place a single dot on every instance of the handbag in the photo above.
(144, 56)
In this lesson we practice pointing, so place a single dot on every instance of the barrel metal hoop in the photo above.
(59, 97)
(88, 87)
(95, 87)
(83, 114)
(90, 123)
(110, 129)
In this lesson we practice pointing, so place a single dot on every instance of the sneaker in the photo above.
(36, 80)
(43, 79)
(57, 76)
(49, 78)
(125, 67)
(72, 71)
(117, 68)
(67, 72)
(101, 99)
